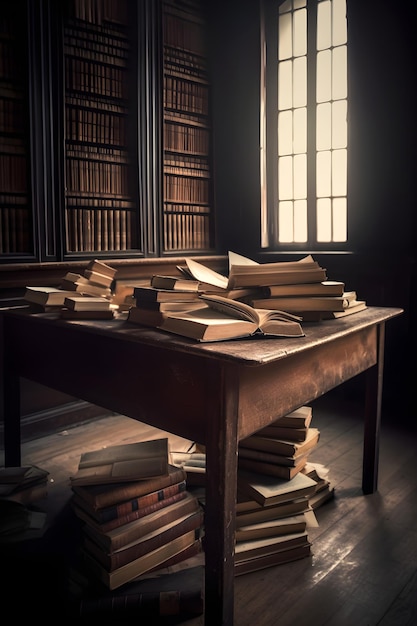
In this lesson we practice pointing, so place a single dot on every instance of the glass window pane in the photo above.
(339, 124)
(324, 220)
(339, 73)
(324, 25)
(299, 4)
(324, 174)
(324, 73)
(285, 6)
(285, 85)
(300, 33)
(285, 133)
(300, 176)
(300, 131)
(285, 179)
(300, 221)
(323, 134)
(339, 173)
(285, 37)
(300, 82)
(339, 22)
(339, 219)
(285, 222)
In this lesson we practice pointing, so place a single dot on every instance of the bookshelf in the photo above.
(15, 207)
(187, 171)
(101, 206)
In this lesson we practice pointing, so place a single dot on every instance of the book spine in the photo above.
(150, 605)
(280, 471)
(117, 559)
(136, 504)
(130, 517)
(123, 535)
(127, 491)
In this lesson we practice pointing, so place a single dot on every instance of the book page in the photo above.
(206, 274)
(238, 259)
(233, 308)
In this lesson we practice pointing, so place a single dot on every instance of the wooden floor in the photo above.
(363, 571)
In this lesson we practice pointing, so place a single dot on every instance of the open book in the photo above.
(244, 272)
(224, 318)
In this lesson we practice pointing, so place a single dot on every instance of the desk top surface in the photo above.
(252, 351)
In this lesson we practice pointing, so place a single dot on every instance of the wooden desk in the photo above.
(215, 394)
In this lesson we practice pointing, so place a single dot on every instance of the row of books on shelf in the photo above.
(141, 510)
(186, 138)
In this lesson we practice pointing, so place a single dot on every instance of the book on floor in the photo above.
(224, 319)
(273, 469)
(272, 528)
(145, 544)
(126, 507)
(271, 490)
(259, 513)
(108, 494)
(132, 461)
(280, 446)
(245, 566)
(268, 545)
(125, 534)
(137, 567)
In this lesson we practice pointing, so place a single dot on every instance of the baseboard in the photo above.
(55, 419)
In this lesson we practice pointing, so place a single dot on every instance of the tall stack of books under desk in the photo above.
(278, 493)
(136, 512)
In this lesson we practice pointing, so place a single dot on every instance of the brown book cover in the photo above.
(280, 471)
(272, 490)
(272, 528)
(121, 536)
(101, 496)
(270, 560)
(271, 511)
(106, 514)
(280, 446)
(129, 517)
(132, 461)
(156, 538)
(147, 562)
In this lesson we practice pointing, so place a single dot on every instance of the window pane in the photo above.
(324, 217)
(300, 176)
(339, 166)
(285, 222)
(300, 33)
(300, 131)
(285, 85)
(339, 22)
(300, 82)
(285, 180)
(339, 73)
(339, 124)
(285, 37)
(339, 219)
(324, 25)
(285, 133)
(300, 221)
(324, 74)
(323, 138)
(324, 174)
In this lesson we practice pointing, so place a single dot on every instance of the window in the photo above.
(306, 130)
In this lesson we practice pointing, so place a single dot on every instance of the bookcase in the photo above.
(15, 207)
(101, 203)
(105, 132)
(187, 165)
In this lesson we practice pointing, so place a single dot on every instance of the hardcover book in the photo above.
(132, 461)
(105, 495)
(224, 319)
(270, 490)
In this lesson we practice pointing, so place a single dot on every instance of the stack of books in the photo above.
(96, 280)
(164, 296)
(299, 287)
(283, 448)
(137, 513)
(272, 520)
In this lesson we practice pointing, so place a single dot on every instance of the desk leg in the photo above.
(221, 477)
(373, 402)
